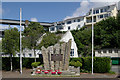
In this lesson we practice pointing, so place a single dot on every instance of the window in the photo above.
(74, 21)
(97, 11)
(104, 51)
(101, 10)
(78, 20)
(110, 51)
(68, 27)
(101, 16)
(105, 10)
(52, 29)
(116, 51)
(99, 51)
(105, 15)
(18, 55)
(69, 22)
(93, 11)
(72, 52)
(30, 55)
(78, 26)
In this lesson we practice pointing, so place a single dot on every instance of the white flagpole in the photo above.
(92, 40)
(20, 42)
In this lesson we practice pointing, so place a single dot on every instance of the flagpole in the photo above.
(20, 42)
(92, 40)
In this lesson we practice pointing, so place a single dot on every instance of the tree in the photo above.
(31, 36)
(106, 35)
(10, 43)
(49, 39)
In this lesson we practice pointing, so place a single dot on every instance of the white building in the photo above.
(65, 38)
(107, 53)
(68, 24)
(26, 53)
(100, 13)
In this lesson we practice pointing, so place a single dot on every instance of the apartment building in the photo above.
(100, 14)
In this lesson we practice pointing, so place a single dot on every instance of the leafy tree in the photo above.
(106, 35)
(49, 39)
(10, 42)
(31, 36)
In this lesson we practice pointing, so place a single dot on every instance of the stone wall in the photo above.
(57, 57)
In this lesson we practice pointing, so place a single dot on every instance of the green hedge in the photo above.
(101, 64)
(26, 62)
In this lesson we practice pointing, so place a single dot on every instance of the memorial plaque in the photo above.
(56, 57)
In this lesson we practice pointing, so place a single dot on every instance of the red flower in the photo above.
(59, 72)
(53, 72)
(49, 70)
(46, 72)
(42, 70)
(38, 72)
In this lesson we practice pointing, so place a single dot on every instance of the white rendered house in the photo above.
(65, 38)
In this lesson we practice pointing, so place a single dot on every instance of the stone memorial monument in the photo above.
(57, 57)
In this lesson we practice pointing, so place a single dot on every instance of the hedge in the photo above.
(26, 62)
(101, 64)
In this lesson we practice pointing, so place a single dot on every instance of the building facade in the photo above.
(68, 24)
(100, 14)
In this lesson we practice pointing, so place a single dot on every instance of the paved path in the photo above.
(27, 72)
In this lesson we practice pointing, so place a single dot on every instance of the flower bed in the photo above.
(53, 73)
(46, 72)
(38, 72)
(59, 73)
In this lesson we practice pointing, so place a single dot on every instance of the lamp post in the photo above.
(92, 40)
(20, 42)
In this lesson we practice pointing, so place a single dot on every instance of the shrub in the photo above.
(72, 63)
(35, 64)
(26, 62)
(78, 64)
(100, 65)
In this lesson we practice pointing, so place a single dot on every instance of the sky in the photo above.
(48, 11)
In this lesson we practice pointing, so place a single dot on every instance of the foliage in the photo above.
(35, 64)
(106, 35)
(49, 39)
(83, 41)
(32, 35)
(72, 63)
(101, 64)
(26, 62)
(78, 64)
(10, 42)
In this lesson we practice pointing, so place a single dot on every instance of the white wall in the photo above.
(107, 54)
(66, 37)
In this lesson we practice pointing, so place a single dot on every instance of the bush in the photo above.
(26, 62)
(101, 64)
(35, 64)
(78, 64)
(72, 63)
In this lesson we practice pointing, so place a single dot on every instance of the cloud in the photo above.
(34, 19)
(85, 6)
